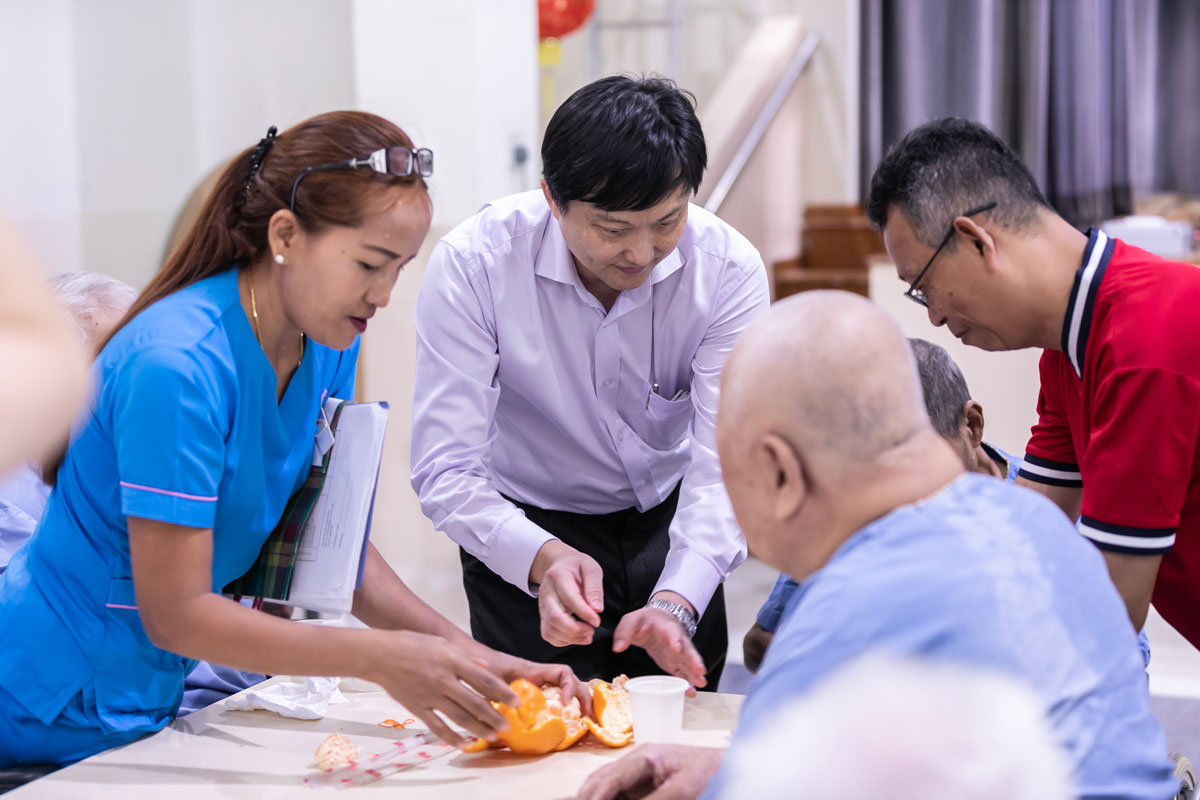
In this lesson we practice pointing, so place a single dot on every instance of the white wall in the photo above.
(466, 87)
(40, 189)
(264, 62)
(114, 110)
(460, 76)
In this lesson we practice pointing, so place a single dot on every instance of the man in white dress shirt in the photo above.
(569, 348)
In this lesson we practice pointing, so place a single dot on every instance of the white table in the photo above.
(257, 755)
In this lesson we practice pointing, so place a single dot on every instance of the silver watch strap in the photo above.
(680, 612)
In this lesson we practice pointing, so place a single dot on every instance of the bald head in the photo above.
(820, 427)
(829, 371)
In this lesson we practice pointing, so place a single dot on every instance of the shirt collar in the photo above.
(995, 455)
(554, 261)
(1078, 321)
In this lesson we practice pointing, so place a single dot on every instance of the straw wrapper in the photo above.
(404, 753)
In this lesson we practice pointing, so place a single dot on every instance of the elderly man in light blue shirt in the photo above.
(958, 418)
(821, 423)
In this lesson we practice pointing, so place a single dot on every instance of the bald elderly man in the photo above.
(821, 423)
(959, 419)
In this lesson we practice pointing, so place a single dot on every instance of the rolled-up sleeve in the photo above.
(706, 543)
(454, 403)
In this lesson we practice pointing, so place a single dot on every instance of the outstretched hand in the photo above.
(662, 636)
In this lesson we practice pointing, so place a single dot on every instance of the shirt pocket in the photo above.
(667, 422)
(138, 685)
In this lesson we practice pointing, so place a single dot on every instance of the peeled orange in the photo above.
(570, 713)
(541, 722)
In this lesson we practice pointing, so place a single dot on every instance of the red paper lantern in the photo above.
(560, 17)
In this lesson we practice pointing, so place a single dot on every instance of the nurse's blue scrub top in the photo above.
(185, 429)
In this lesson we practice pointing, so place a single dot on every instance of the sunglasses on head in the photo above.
(398, 161)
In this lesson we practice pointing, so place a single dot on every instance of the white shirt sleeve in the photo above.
(706, 543)
(454, 402)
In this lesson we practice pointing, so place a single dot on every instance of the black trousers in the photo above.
(631, 547)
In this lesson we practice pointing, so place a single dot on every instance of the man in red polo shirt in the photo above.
(1116, 442)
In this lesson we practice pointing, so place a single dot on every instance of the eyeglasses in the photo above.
(915, 294)
(398, 161)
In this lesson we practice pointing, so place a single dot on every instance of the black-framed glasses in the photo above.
(399, 161)
(915, 294)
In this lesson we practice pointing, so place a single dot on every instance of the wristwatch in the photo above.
(680, 612)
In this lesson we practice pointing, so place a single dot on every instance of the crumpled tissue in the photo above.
(299, 699)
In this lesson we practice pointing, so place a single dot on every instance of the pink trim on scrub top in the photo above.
(169, 494)
(118, 605)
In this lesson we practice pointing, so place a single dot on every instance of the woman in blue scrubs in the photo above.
(202, 427)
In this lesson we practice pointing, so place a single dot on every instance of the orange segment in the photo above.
(609, 737)
(570, 713)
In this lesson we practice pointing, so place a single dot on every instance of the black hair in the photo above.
(624, 144)
(943, 385)
(947, 167)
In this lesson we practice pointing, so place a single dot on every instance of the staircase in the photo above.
(834, 248)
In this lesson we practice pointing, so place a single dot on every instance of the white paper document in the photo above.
(332, 546)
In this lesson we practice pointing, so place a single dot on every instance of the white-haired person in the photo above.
(39, 354)
(904, 729)
(94, 304)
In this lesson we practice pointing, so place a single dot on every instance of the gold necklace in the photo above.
(254, 313)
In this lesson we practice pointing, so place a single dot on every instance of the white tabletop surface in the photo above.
(220, 753)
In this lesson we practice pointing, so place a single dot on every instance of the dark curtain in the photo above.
(1098, 96)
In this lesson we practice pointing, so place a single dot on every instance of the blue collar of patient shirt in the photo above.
(878, 528)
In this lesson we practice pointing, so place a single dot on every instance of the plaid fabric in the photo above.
(270, 576)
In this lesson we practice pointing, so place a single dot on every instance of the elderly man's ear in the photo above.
(973, 420)
(790, 487)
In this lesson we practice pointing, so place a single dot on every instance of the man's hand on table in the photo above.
(655, 772)
(427, 673)
(661, 635)
(509, 668)
(570, 593)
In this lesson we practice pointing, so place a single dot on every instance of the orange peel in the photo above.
(609, 737)
(477, 745)
(541, 722)
(541, 738)
(610, 705)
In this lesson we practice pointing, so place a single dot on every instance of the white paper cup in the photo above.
(656, 702)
